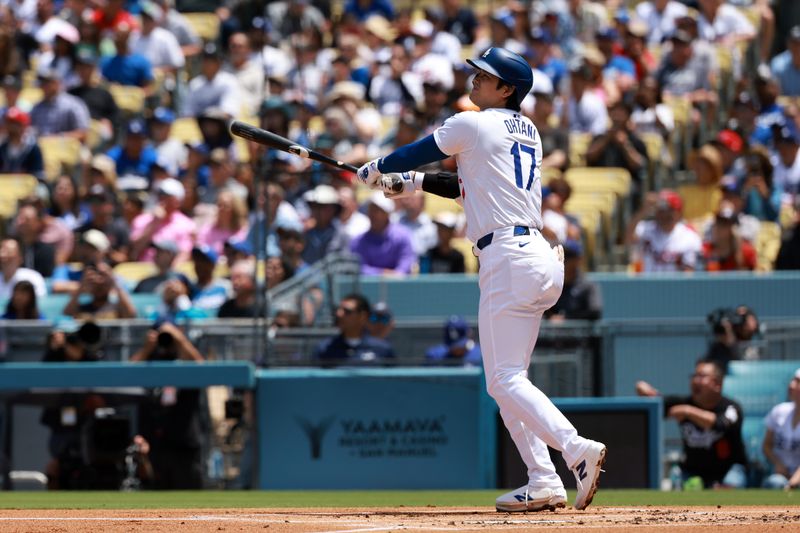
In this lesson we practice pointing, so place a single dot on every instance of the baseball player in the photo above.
(499, 153)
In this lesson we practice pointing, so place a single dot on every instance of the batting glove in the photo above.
(396, 186)
(369, 174)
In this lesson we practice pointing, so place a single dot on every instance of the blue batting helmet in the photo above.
(509, 67)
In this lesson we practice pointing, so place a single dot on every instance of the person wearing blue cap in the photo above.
(786, 177)
(135, 155)
(210, 291)
(458, 347)
(126, 67)
(171, 153)
(580, 299)
(542, 58)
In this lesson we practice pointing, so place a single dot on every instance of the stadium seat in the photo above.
(617, 180)
(699, 201)
(135, 271)
(578, 145)
(549, 174)
(437, 204)
(128, 98)
(13, 187)
(186, 130)
(60, 153)
(206, 25)
(767, 245)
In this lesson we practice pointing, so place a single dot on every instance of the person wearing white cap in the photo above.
(90, 251)
(164, 223)
(386, 248)
(782, 440)
(327, 235)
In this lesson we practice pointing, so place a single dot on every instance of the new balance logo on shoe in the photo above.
(522, 498)
(581, 468)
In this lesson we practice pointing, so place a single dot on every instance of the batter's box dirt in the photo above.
(614, 519)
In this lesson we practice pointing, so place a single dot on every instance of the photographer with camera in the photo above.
(109, 299)
(67, 468)
(734, 330)
(171, 421)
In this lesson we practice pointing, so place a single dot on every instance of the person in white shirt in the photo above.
(586, 112)
(157, 44)
(412, 215)
(660, 241)
(723, 24)
(12, 271)
(213, 87)
(248, 71)
(353, 222)
(782, 440)
(786, 176)
(659, 15)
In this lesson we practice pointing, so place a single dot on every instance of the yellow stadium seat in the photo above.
(135, 271)
(464, 246)
(699, 201)
(591, 179)
(549, 174)
(59, 152)
(206, 25)
(681, 109)
(437, 204)
(14, 187)
(578, 145)
(186, 130)
(128, 98)
(767, 245)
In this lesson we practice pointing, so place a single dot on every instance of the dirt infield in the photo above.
(651, 519)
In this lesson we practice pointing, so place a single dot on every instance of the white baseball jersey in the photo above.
(786, 441)
(668, 252)
(499, 155)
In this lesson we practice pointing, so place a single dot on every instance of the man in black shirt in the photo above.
(243, 303)
(580, 298)
(711, 428)
(98, 100)
(443, 258)
(353, 345)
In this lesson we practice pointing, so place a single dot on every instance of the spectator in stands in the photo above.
(220, 177)
(165, 222)
(90, 251)
(276, 271)
(171, 421)
(386, 248)
(136, 155)
(102, 206)
(65, 205)
(733, 331)
(619, 146)
(243, 302)
(724, 25)
(248, 71)
(619, 71)
(789, 253)
(460, 20)
(37, 253)
(659, 15)
(397, 88)
(102, 171)
(413, 217)
(543, 58)
(127, 67)
(237, 251)
(13, 272)
(179, 26)
(683, 73)
(353, 344)
(22, 304)
(293, 16)
(770, 111)
(325, 235)
(586, 112)
(786, 65)
(98, 100)
(782, 440)
(171, 153)
(176, 305)
(458, 347)
(701, 198)
(555, 139)
(361, 10)
(166, 252)
(762, 199)
(111, 15)
(58, 113)
(786, 177)
(157, 44)
(381, 321)
(660, 241)
(442, 258)
(210, 292)
(650, 114)
(353, 222)
(635, 32)
(230, 222)
(19, 152)
(99, 282)
(213, 87)
(711, 428)
(726, 249)
(580, 299)
(743, 113)
(292, 242)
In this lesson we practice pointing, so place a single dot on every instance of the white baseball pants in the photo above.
(518, 282)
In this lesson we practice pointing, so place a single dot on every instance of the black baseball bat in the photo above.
(267, 138)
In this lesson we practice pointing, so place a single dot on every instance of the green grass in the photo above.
(266, 499)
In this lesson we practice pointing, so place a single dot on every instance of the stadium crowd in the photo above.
(118, 109)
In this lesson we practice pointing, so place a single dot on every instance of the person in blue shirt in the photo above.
(126, 68)
(136, 155)
(353, 345)
(362, 9)
(458, 347)
(786, 65)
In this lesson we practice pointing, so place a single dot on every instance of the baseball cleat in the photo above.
(530, 499)
(587, 472)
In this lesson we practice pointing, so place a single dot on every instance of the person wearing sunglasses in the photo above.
(353, 345)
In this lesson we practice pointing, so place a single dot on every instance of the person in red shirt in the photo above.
(725, 249)
(111, 14)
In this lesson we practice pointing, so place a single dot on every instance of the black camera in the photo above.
(89, 334)
(166, 348)
(736, 317)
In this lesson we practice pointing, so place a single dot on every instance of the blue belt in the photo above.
(486, 240)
